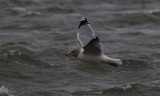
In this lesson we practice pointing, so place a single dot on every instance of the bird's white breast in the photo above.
(88, 58)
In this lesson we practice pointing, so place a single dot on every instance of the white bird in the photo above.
(91, 48)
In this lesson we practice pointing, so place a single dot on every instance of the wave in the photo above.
(5, 92)
(129, 89)
(21, 53)
(117, 90)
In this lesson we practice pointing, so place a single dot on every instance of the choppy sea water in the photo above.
(35, 34)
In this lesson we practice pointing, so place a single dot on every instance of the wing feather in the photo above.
(85, 33)
(94, 47)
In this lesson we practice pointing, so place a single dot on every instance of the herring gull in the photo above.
(91, 48)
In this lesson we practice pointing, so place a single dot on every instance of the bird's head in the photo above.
(74, 52)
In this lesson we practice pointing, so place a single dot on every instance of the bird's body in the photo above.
(88, 58)
(98, 59)
(91, 48)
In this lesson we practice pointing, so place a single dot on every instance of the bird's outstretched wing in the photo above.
(85, 32)
(94, 47)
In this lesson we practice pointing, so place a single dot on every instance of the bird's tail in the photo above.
(115, 62)
(112, 61)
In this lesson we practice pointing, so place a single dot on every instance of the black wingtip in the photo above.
(84, 21)
(97, 38)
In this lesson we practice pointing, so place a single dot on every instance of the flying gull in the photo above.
(91, 48)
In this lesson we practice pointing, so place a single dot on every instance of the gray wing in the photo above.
(94, 47)
(85, 32)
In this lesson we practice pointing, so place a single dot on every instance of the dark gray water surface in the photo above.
(35, 34)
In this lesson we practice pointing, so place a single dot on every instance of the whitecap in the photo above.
(5, 92)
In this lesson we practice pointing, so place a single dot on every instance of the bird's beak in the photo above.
(68, 53)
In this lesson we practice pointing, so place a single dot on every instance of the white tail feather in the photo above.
(112, 61)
